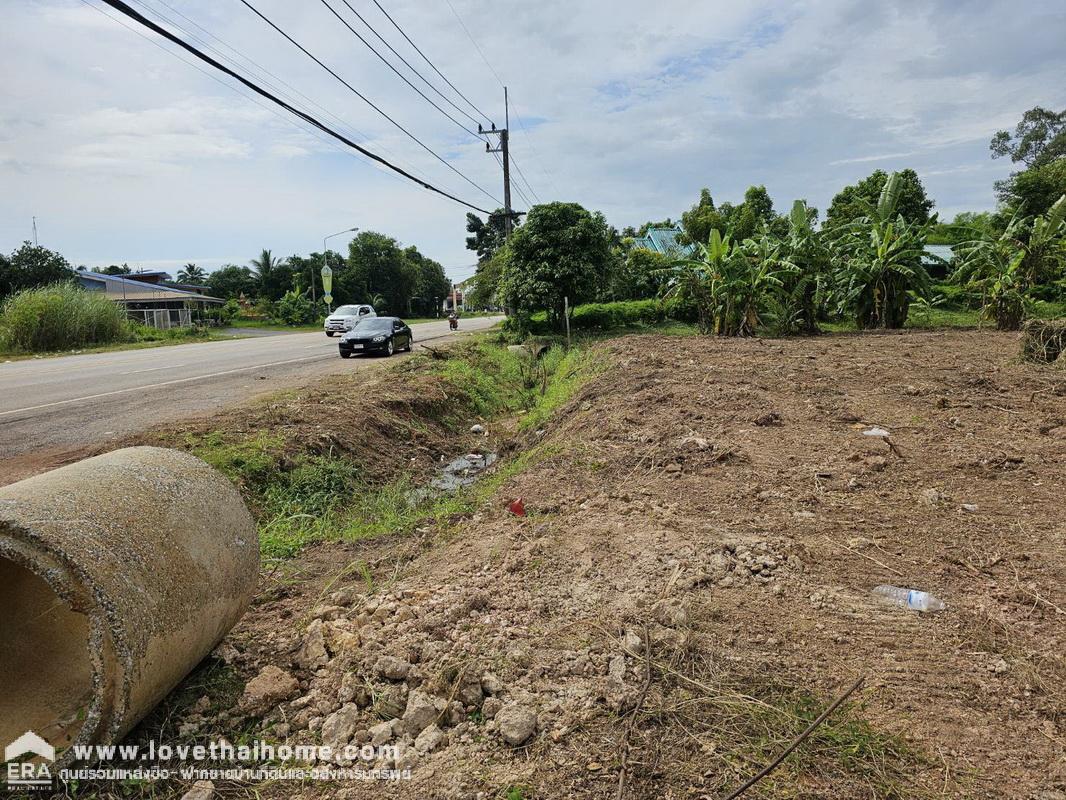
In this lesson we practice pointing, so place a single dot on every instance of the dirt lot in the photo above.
(691, 586)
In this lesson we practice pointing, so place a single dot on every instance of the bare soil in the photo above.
(691, 586)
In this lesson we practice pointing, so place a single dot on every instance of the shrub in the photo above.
(604, 316)
(294, 309)
(60, 316)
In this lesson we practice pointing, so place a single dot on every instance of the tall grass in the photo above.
(60, 316)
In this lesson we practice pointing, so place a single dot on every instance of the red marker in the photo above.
(517, 507)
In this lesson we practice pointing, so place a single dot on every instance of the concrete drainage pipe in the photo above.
(118, 574)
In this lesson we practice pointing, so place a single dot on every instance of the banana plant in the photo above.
(880, 267)
(730, 283)
(1005, 268)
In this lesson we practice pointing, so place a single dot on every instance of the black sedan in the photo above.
(384, 335)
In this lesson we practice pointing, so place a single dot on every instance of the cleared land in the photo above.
(691, 585)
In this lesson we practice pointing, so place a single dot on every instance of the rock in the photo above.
(407, 758)
(338, 727)
(271, 686)
(477, 428)
(1000, 667)
(381, 733)
(201, 790)
(350, 685)
(470, 692)
(393, 668)
(313, 653)
(670, 614)
(932, 497)
(490, 684)
(516, 723)
(632, 642)
(427, 740)
(969, 508)
(422, 711)
(616, 669)
(491, 707)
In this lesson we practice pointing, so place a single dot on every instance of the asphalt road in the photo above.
(51, 406)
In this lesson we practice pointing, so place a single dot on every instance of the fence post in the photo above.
(566, 316)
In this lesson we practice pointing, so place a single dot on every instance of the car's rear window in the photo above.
(374, 324)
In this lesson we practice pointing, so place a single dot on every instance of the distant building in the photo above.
(663, 241)
(148, 299)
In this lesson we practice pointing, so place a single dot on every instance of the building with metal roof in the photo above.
(663, 240)
(154, 304)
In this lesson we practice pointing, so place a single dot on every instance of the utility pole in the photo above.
(508, 215)
(35, 231)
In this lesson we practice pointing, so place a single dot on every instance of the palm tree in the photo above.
(191, 273)
(272, 283)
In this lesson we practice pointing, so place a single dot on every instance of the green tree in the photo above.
(879, 261)
(115, 269)
(191, 273)
(562, 250)
(852, 202)
(1034, 190)
(275, 276)
(379, 267)
(1038, 139)
(31, 266)
(431, 284)
(486, 282)
(639, 275)
(486, 238)
(698, 222)
(231, 281)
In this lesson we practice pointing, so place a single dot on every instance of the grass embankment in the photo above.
(307, 483)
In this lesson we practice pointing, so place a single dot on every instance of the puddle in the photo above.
(453, 476)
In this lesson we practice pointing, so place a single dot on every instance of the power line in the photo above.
(474, 42)
(363, 97)
(385, 61)
(426, 59)
(408, 64)
(135, 15)
(257, 66)
(499, 80)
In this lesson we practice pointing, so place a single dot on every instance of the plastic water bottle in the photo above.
(908, 598)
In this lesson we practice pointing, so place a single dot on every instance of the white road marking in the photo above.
(156, 385)
(151, 369)
(145, 387)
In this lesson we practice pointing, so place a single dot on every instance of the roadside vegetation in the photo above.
(63, 316)
(744, 269)
(311, 479)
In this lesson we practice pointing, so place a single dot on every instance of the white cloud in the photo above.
(126, 153)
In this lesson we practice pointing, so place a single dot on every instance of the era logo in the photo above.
(26, 774)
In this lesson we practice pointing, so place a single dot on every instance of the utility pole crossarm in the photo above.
(502, 133)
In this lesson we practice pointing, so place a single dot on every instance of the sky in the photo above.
(126, 153)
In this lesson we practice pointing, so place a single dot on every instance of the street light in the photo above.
(326, 271)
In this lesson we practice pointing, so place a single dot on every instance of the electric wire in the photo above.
(364, 98)
(402, 77)
(407, 63)
(425, 58)
(278, 81)
(136, 16)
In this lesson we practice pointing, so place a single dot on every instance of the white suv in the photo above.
(345, 317)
